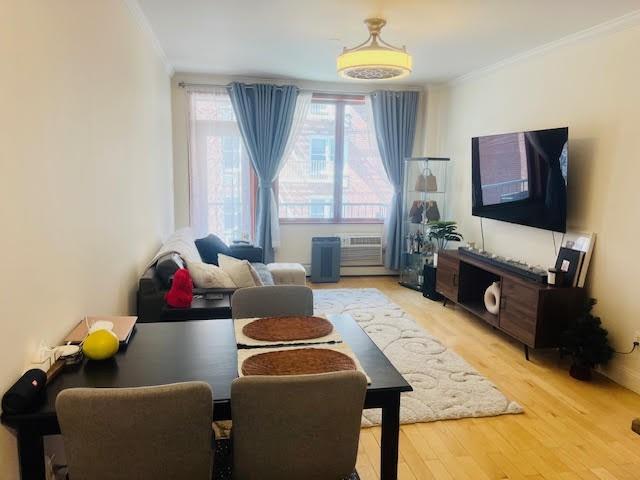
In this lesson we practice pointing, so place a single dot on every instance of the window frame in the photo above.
(340, 101)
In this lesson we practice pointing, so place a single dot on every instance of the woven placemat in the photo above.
(288, 329)
(314, 326)
(286, 362)
(300, 361)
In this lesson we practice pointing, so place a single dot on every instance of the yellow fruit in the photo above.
(100, 345)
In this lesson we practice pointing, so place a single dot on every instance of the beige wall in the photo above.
(85, 183)
(295, 239)
(591, 87)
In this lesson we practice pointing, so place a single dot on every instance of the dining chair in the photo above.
(272, 301)
(144, 433)
(300, 426)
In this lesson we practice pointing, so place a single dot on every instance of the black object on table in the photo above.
(170, 352)
(204, 306)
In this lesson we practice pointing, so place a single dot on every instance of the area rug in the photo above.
(444, 385)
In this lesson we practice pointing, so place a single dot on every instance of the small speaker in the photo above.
(26, 394)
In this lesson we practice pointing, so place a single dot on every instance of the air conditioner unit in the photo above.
(361, 250)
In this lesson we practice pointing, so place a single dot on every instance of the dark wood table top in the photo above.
(205, 350)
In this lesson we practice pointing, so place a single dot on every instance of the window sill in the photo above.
(318, 221)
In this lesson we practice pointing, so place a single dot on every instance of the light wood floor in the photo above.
(570, 430)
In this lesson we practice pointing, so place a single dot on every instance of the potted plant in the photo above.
(586, 342)
(442, 232)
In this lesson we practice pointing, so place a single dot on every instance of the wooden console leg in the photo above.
(526, 352)
(444, 302)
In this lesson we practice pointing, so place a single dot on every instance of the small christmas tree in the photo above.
(586, 342)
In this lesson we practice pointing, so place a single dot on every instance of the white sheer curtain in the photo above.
(299, 116)
(219, 179)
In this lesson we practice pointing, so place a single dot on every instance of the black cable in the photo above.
(635, 345)
(482, 233)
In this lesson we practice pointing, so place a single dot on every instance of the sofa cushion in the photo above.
(205, 275)
(263, 273)
(209, 248)
(238, 270)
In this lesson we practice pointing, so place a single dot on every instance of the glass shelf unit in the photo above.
(425, 183)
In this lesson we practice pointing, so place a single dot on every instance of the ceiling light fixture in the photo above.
(374, 59)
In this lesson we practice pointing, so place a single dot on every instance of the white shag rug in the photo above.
(444, 385)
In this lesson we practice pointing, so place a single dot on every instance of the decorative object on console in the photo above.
(518, 267)
(586, 342)
(492, 298)
(568, 262)
(584, 242)
(180, 294)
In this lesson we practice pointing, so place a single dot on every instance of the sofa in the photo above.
(178, 251)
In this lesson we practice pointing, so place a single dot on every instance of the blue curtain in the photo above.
(394, 116)
(265, 114)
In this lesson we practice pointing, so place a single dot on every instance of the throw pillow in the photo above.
(205, 275)
(210, 246)
(238, 270)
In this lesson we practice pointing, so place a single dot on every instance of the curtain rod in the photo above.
(311, 90)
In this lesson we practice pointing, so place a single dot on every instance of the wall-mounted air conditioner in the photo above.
(357, 250)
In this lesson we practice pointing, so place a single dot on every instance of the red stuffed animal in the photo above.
(181, 292)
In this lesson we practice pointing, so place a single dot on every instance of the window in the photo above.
(321, 152)
(334, 173)
(220, 183)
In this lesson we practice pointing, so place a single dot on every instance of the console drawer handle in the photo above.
(503, 302)
(455, 279)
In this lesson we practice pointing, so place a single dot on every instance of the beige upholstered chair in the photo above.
(272, 301)
(146, 433)
(293, 427)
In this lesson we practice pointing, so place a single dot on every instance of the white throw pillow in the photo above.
(205, 275)
(238, 270)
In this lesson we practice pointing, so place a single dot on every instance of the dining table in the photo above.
(205, 350)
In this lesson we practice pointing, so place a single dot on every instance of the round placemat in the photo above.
(299, 361)
(288, 329)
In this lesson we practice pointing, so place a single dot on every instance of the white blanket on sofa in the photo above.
(182, 243)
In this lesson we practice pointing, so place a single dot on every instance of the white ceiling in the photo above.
(301, 38)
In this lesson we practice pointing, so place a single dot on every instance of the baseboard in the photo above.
(624, 376)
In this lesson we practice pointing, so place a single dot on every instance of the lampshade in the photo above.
(374, 59)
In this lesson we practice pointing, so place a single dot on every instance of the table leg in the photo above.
(390, 435)
(31, 456)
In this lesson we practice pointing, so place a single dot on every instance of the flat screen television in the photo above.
(521, 178)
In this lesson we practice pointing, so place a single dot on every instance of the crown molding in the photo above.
(610, 26)
(141, 20)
